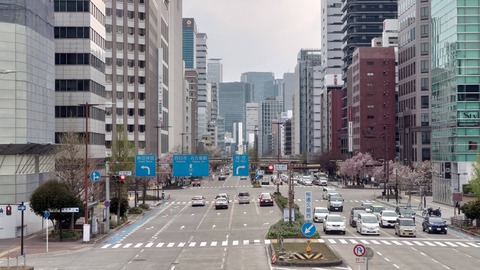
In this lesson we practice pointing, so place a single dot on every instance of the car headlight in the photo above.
(429, 227)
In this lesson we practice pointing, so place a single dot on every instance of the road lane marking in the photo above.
(397, 243)
(343, 241)
(267, 241)
(407, 243)
(428, 243)
(375, 242)
(181, 244)
(396, 266)
(235, 243)
(353, 241)
(138, 245)
(127, 245)
(440, 244)
(451, 244)
(160, 244)
(246, 242)
(461, 244)
(192, 244)
(106, 246)
(386, 243)
(117, 246)
(213, 244)
(256, 242)
(321, 240)
(332, 241)
(473, 244)
(202, 244)
(149, 245)
(171, 244)
(224, 243)
(364, 241)
(418, 243)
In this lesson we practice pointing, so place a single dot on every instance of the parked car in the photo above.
(334, 223)
(387, 218)
(221, 203)
(243, 197)
(434, 225)
(319, 214)
(198, 200)
(196, 183)
(405, 212)
(352, 220)
(335, 203)
(222, 177)
(405, 227)
(367, 223)
(266, 199)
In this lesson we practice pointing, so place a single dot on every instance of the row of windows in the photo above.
(120, 46)
(130, 128)
(79, 6)
(79, 86)
(79, 32)
(130, 14)
(121, 79)
(79, 112)
(93, 138)
(79, 59)
(130, 63)
(130, 96)
(129, 30)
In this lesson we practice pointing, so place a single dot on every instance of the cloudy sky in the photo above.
(256, 35)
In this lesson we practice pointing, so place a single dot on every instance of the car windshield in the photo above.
(377, 209)
(243, 194)
(197, 198)
(356, 212)
(389, 214)
(370, 219)
(335, 218)
(406, 211)
(321, 210)
(436, 220)
(336, 199)
(407, 222)
(221, 199)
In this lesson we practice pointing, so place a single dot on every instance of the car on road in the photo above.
(352, 220)
(307, 180)
(323, 181)
(367, 223)
(334, 223)
(223, 195)
(376, 209)
(434, 225)
(265, 180)
(196, 183)
(222, 177)
(327, 190)
(387, 218)
(243, 197)
(198, 200)
(266, 199)
(405, 211)
(405, 227)
(366, 206)
(243, 178)
(335, 203)
(319, 214)
(221, 203)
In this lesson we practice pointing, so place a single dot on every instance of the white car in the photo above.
(334, 223)
(319, 214)
(198, 200)
(387, 218)
(367, 223)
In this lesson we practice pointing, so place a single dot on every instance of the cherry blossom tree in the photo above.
(355, 167)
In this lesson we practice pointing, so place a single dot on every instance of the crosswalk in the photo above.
(388, 242)
(329, 241)
(250, 186)
(258, 200)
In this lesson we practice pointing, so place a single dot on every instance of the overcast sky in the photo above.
(256, 35)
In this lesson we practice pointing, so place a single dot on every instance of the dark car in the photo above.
(196, 183)
(266, 199)
(405, 212)
(434, 225)
(222, 177)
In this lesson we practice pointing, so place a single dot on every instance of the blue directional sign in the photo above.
(191, 165)
(95, 176)
(240, 165)
(21, 207)
(46, 214)
(308, 229)
(145, 165)
(308, 205)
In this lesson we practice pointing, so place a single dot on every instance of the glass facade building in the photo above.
(189, 42)
(455, 94)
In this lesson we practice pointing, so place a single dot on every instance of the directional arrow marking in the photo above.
(307, 230)
(240, 167)
(147, 168)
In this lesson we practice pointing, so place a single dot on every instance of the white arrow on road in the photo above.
(181, 228)
(307, 230)
(240, 167)
(147, 168)
(213, 226)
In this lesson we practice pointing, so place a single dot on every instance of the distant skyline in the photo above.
(256, 35)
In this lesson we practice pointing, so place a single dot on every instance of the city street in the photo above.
(176, 236)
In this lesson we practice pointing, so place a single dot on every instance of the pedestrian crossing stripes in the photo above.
(253, 201)
(250, 186)
(342, 241)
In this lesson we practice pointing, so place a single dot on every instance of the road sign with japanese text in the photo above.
(191, 165)
(240, 165)
(308, 205)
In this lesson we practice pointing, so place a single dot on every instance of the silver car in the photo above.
(319, 214)
(198, 200)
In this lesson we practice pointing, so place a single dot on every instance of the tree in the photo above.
(475, 181)
(122, 159)
(356, 166)
(472, 211)
(328, 162)
(54, 194)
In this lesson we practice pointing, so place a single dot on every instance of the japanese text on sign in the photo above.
(308, 205)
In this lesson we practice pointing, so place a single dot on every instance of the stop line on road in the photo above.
(419, 243)
(187, 244)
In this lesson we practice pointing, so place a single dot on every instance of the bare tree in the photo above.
(70, 161)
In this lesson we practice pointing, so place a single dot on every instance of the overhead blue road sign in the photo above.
(95, 176)
(191, 165)
(145, 165)
(308, 229)
(240, 165)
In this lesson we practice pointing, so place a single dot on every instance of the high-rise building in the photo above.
(455, 94)
(204, 89)
(27, 99)
(414, 128)
(269, 110)
(189, 44)
(263, 84)
(306, 114)
(288, 90)
(215, 70)
(191, 77)
(251, 123)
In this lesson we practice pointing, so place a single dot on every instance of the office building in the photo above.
(455, 91)
(288, 90)
(268, 111)
(263, 84)
(189, 45)
(204, 90)
(191, 77)
(251, 121)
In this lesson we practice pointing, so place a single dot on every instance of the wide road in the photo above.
(179, 236)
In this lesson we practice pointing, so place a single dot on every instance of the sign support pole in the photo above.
(107, 195)
(46, 231)
(21, 235)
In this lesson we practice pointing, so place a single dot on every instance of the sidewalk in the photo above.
(36, 242)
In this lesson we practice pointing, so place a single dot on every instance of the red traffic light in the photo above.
(122, 177)
(8, 209)
(270, 167)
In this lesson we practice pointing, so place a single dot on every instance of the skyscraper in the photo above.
(269, 109)
(189, 45)
(263, 84)
(288, 90)
(455, 94)
(204, 90)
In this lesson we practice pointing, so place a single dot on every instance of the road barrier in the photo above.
(274, 258)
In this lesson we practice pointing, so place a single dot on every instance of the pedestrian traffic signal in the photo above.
(8, 210)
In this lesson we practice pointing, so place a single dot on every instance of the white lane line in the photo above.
(127, 245)
(138, 245)
(343, 241)
(181, 244)
(203, 244)
(396, 266)
(149, 245)
(171, 244)
(386, 243)
(224, 243)
(117, 246)
(106, 246)
(256, 242)
(364, 241)
(397, 243)
(451, 244)
(235, 243)
(461, 244)
(192, 244)
(428, 243)
(321, 240)
(332, 241)
(353, 241)
(418, 243)
(246, 242)
(375, 242)
(160, 244)
(440, 244)
(267, 242)
(407, 243)
(473, 244)
(213, 244)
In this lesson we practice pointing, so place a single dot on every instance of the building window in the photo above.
(424, 30)
(472, 145)
(370, 74)
(370, 63)
(424, 48)
(425, 84)
(424, 102)
(425, 119)
(426, 137)
(424, 66)
(370, 106)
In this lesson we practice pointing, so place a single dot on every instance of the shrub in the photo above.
(65, 234)
(135, 210)
(144, 206)
(114, 206)
(113, 224)
(149, 197)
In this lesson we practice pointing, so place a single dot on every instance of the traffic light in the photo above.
(8, 210)
(270, 168)
(122, 177)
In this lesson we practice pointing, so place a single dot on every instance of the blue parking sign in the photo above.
(240, 165)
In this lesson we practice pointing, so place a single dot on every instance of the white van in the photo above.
(326, 191)
(307, 180)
